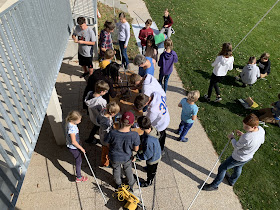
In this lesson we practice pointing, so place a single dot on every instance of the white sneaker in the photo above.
(218, 99)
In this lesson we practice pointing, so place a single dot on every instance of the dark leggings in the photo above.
(162, 139)
(151, 171)
(214, 83)
(78, 159)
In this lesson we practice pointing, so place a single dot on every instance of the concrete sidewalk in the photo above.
(49, 182)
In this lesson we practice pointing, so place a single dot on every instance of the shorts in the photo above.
(85, 61)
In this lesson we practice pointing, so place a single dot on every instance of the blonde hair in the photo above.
(168, 44)
(109, 54)
(193, 96)
(73, 116)
(112, 108)
(101, 86)
(265, 56)
(134, 78)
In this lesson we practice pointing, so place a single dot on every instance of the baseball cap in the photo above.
(128, 116)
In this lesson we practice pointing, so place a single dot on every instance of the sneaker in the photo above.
(146, 184)
(207, 98)
(209, 187)
(218, 99)
(84, 74)
(183, 140)
(172, 31)
(82, 179)
(118, 186)
(227, 176)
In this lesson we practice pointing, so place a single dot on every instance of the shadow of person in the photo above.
(176, 90)
(205, 74)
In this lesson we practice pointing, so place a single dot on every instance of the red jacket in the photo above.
(144, 33)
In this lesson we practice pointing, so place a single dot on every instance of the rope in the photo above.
(256, 25)
(95, 179)
(143, 206)
(208, 176)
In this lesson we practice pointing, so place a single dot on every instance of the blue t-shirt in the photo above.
(188, 110)
(121, 145)
(142, 72)
(70, 128)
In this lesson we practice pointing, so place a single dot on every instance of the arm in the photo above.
(74, 38)
(267, 67)
(231, 65)
(141, 36)
(154, 62)
(160, 62)
(102, 41)
(217, 60)
(127, 33)
(194, 117)
(85, 42)
(171, 22)
(75, 143)
(175, 57)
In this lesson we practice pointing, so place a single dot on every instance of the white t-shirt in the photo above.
(247, 145)
(151, 85)
(158, 112)
(222, 65)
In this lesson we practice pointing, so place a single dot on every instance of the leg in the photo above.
(185, 130)
(217, 89)
(84, 69)
(263, 75)
(166, 77)
(151, 172)
(169, 32)
(162, 31)
(212, 83)
(236, 174)
(91, 138)
(121, 44)
(125, 58)
(162, 139)
(181, 127)
(78, 160)
(160, 78)
(128, 173)
(117, 172)
(267, 116)
(105, 156)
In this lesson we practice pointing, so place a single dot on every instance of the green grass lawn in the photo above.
(201, 28)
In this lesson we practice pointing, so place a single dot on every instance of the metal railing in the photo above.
(85, 8)
(33, 38)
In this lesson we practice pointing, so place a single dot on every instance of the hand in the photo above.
(83, 150)
(166, 26)
(239, 133)
(133, 158)
(75, 40)
(230, 136)
(125, 46)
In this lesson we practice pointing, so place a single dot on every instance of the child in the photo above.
(167, 23)
(121, 143)
(166, 61)
(264, 64)
(250, 72)
(124, 35)
(157, 112)
(105, 40)
(95, 104)
(188, 115)
(151, 49)
(145, 64)
(244, 150)
(105, 121)
(222, 64)
(73, 142)
(108, 57)
(151, 149)
(147, 84)
(144, 33)
(271, 115)
(85, 37)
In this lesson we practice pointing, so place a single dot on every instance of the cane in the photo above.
(208, 175)
(139, 185)
(95, 179)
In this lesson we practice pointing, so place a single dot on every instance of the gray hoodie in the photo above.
(250, 74)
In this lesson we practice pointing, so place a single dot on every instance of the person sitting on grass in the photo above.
(146, 65)
(168, 22)
(189, 114)
(121, 143)
(250, 73)
(151, 151)
(271, 115)
(95, 104)
(108, 57)
(264, 65)
(244, 150)
(147, 84)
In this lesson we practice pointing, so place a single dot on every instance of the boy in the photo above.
(151, 149)
(157, 112)
(145, 64)
(188, 115)
(244, 150)
(86, 39)
(121, 143)
(147, 84)
(105, 40)
(264, 65)
(108, 57)
(144, 33)
(168, 22)
(105, 121)
(250, 72)
(95, 104)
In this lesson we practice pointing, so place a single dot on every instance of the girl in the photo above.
(166, 61)
(222, 64)
(167, 23)
(264, 64)
(151, 49)
(72, 142)
(124, 35)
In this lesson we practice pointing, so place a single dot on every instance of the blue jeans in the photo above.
(125, 60)
(228, 164)
(184, 128)
(166, 77)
